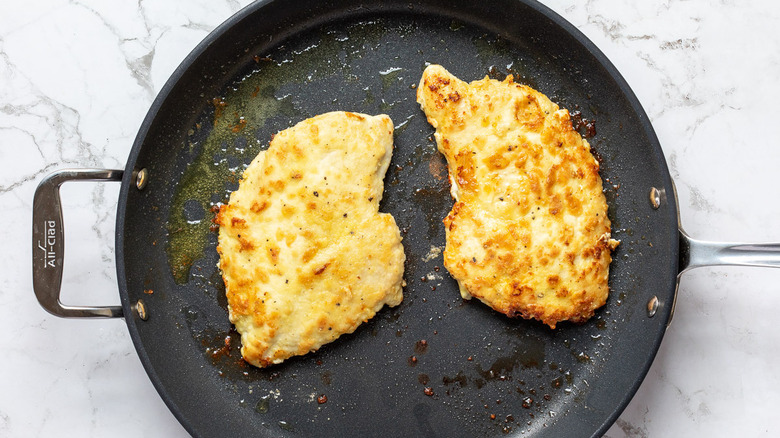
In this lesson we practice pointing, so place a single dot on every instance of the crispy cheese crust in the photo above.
(304, 252)
(529, 233)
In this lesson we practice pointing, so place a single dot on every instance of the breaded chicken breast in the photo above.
(305, 255)
(528, 234)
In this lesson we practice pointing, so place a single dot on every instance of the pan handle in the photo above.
(696, 253)
(48, 243)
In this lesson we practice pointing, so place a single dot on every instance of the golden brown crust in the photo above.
(305, 255)
(528, 234)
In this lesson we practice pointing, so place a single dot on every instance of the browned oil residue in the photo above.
(223, 348)
(412, 361)
(326, 377)
(423, 379)
(219, 107)
(495, 73)
(434, 201)
(501, 369)
(239, 126)
(437, 167)
(583, 358)
(586, 128)
(459, 378)
(216, 354)
(421, 346)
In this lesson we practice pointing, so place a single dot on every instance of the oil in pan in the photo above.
(435, 365)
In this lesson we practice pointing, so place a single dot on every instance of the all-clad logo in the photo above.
(47, 246)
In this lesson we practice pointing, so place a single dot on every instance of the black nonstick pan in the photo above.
(278, 62)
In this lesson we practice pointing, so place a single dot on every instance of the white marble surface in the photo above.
(78, 77)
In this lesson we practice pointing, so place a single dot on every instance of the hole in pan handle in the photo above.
(48, 244)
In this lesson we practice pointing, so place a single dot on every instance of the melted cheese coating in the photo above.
(304, 252)
(528, 234)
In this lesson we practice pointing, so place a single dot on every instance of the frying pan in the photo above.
(275, 63)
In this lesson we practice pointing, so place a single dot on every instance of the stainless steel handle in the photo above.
(696, 253)
(48, 244)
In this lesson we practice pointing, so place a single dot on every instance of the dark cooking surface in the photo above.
(490, 375)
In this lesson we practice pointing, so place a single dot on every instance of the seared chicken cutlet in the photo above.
(304, 252)
(528, 234)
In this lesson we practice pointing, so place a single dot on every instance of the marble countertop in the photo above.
(78, 76)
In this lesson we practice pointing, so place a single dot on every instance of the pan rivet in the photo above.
(655, 197)
(141, 178)
(652, 306)
(140, 307)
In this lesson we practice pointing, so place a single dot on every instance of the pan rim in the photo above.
(664, 312)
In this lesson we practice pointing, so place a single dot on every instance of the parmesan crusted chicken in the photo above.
(528, 234)
(304, 252)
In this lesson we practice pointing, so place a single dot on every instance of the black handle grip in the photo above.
(48, 243)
